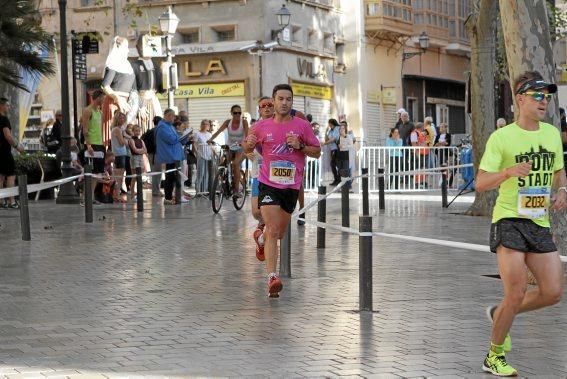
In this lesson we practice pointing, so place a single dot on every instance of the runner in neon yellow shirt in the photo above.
(524, 160)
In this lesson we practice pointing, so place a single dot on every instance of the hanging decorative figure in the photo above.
(119, 84)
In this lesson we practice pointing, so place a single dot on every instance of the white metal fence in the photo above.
(401, 159)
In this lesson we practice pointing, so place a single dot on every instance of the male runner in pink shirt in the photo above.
(285, 141)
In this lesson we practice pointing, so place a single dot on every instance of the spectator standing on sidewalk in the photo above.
(395, 155)
(345, 143)
(204, 157)
(120, 150)
(7, 142)
(168, 151)
(149, 138)
(91, 120)
(331, 139)
(138, 149)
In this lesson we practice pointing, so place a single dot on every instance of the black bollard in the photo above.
(345, 206)
(381, 196)
(285, 253)
(365, 201)
(88, 194)
(321, 217)
(24, 209)
(139, 190)
(444, 202)
(178, 182)
(365, 263)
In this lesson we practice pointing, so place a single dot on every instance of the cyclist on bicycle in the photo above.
(237, 128)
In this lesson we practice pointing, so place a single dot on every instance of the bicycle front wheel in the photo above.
(217, 193)
(240, 200)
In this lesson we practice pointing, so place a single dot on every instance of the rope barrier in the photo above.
(13, 191)
(431, 241)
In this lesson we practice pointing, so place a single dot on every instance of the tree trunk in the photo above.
(481, 27)
(525, 26)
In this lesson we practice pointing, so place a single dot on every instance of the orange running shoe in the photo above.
(274, 286)
(259, 248)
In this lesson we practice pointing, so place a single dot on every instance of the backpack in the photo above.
(149, 138)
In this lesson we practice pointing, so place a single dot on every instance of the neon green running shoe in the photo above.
(508, 340)
(496, 365)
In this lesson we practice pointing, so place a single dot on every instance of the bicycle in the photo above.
(223, 183)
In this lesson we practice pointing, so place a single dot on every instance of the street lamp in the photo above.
(168, 22)
(67, 193)
(423, 44)
(284, 18)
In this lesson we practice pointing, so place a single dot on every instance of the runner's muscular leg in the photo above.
(276, 220)
(512, 268)
(548, 271)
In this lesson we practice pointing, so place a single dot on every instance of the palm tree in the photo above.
(22, 41)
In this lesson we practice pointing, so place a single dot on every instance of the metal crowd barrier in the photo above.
(399, 159)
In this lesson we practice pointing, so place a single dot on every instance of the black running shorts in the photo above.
(285, 198)
(7, 164)
(521, 234)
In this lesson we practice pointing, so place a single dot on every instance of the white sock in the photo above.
(272, 275)
(261, 239)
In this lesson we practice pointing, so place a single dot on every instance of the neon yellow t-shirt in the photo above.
(511, 145)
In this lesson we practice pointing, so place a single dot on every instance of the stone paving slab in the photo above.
(178, 292)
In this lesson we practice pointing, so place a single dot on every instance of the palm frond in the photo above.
(22, 41)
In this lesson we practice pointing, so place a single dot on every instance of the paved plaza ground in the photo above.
(177, 292)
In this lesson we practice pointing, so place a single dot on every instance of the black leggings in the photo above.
(334, 164)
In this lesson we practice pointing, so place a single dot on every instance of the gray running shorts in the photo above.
(521, 234)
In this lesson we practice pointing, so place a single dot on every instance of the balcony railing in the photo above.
(391, 16)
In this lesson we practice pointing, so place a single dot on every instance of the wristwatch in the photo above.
(301, 146)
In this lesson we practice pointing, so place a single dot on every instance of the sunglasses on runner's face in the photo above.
(235, 113)
(267, 105)
(539, 96)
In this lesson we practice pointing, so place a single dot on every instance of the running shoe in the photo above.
(508, 340)
(274, 286)
(301, 219)
(259, 247)
(169, 202)
(496, 365)
(14, 206)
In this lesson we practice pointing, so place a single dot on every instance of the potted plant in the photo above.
(29, 164)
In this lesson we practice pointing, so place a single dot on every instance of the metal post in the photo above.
(67, 193)
(74, 43)
(169, 64)
(178, 182)
(381, 199)
(444, 202)
(139, 190)
(365, 201)
(345, 206)
(321, 217)
(88, 194)
(285, 253)
(24, 209)
(365, 263)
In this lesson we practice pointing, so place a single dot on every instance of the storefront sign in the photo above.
(389, 95)
(215, 65)
(311, 90)
(189, 91)
(373, 97)
(311, 70)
